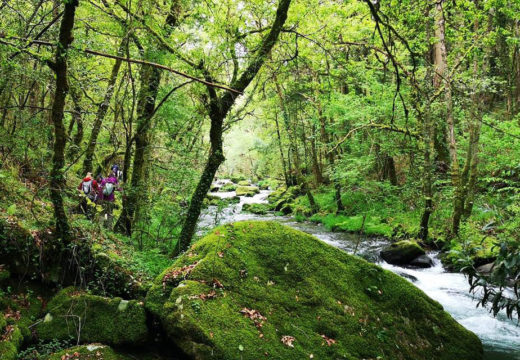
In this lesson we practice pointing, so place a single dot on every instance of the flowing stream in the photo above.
(500, 336)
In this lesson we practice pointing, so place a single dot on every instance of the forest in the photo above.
(247, 179)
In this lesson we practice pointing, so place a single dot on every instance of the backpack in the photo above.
(108, 189)
(87, 187)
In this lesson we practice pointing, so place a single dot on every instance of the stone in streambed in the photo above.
(423, 261)
(402, 252)
(261, 290)
(259, 209)
(248, 191)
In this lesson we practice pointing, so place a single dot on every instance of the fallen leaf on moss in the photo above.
(328, 340)
(175, 273)
(254, 315)
(288, 340)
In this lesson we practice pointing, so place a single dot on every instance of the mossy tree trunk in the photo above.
(136, 194)
(150, 79)
(78, 121)
(464, 192)
(218, 108)
(59, 66)
(428, 131)
(102, 111)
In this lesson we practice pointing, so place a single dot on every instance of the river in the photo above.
(500, 336)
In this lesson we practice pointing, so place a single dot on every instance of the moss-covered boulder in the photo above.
(237, 178)
(215, 200)
(247, 190)
(93, 318)
(284, 197)
(228, 187)
(402, 252)
(261, 290)
(260, 209)
(88, 352)
(244, 183)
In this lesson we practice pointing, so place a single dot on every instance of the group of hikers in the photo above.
(101, 191)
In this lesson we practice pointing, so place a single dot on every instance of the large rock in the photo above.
(247, 190)
(402, 252)
(261, 290)
(93, 318)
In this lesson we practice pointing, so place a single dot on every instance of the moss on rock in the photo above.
(260, 209)
(228, 187)
(93, 318)
(88, 352)
(260, 290)
(247, 190)
(402, 252)
(244, 183)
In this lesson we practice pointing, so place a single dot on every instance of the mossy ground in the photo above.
(88, 352)
(90, 318)
(18, 311)
(287, 283)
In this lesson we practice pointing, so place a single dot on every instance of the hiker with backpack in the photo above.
(109, 186)
(89, 187)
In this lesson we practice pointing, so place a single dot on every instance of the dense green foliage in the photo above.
(394, 119)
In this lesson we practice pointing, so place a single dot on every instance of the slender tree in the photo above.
(218, 108)
(59, 66)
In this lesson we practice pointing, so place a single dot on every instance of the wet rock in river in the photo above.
(402, 252)
(423, 261)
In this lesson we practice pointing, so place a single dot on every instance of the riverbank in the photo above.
(499, 335)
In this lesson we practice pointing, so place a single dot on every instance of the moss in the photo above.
(10, 341)
(284, 197)
(244, 183)
(402, 252)
(228, 187)
(242, 288)
(260, 209)
(108, 320)
(88, 352)
(247, 190)
(237, 178)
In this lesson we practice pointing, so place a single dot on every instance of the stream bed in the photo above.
(500, 336)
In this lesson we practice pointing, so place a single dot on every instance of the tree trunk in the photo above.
(429, 148)
(444, 156)
(150, 79)
(102, 111)
(464, 193)
(57, 181)
(218, 108)
(284, 167)
(78, 121)
(136, 195)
